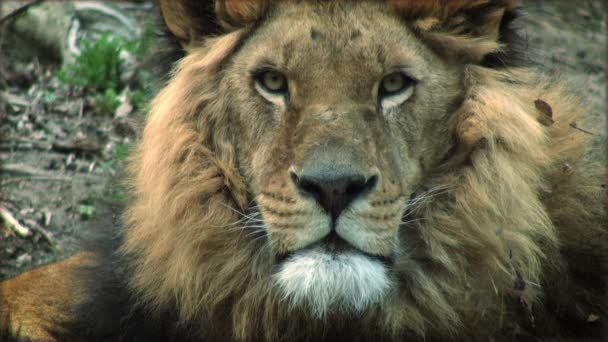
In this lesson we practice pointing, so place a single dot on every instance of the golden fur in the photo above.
(502, 203)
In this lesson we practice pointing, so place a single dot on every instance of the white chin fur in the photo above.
(347, 281)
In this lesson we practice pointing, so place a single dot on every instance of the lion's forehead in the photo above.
(343, 40)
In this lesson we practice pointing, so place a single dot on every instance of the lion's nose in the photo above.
(334, 192)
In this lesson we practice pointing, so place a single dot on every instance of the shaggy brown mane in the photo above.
(188, 175)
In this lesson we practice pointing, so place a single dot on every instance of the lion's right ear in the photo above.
(468, 29)
(191, 21)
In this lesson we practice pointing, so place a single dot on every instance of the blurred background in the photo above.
(76, 79)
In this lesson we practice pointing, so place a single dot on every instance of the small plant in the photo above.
(97, 71)
(48, 96)
(139, 99)
(119, 196)
(98, 66)
(122, 151)
(107, 102)
(91, 198)
(86, 212)
(141, 46)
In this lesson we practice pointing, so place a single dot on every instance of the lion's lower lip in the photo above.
(335, 245)
(332, 243)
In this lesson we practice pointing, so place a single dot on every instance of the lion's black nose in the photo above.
(334, 191)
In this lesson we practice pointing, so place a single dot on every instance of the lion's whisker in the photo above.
(425, 197)
(245, 227)
(412, 221)
(254, 227)
(254, 233)
(238, 212)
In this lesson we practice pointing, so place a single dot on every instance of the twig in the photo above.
(19, 11)
(13, 99)
(60, 147)
(57, 146)
(16, 147)
(35, 178)
(22, 169)
(76, 147)
(81, 108)
(48, 236)
(23, 145)
(92, 167)
(575, 126)
(48, 216)
(11, 223)
(30, 172)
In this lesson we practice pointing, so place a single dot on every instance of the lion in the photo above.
(342, 170)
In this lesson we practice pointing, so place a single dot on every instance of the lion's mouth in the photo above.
(331, 274)
(334, 245)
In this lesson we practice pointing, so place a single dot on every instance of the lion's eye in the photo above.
(394, 83)
(394, 89)
(273, 81)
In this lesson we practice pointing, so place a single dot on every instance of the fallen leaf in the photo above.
(543, 107)
(125, 107)
(123, 110)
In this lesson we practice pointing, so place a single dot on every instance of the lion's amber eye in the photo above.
(393, 84)
(394, 89)
(273, 81)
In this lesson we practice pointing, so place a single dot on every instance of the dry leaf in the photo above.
(543, 107)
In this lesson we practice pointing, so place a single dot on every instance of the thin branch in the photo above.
(48, 236)
(575, 126)
(61, 147)
(11, 223)
(22, 169)
(83, 147)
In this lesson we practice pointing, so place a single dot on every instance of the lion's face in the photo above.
(345, 160)
(338, 127)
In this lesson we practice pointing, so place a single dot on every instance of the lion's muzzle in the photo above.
(333, 184)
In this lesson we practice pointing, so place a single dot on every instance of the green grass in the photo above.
(121, 152)
(97, 72)
(86, 212)
(97, 68)
(107, 102)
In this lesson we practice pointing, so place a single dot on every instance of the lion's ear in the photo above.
(192, 20)
(470, 29)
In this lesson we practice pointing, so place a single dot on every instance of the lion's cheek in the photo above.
(291, 232)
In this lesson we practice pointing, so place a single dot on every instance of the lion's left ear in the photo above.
(467, 29)
(191, 21)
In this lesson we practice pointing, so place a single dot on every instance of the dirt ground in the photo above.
(59, 159)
